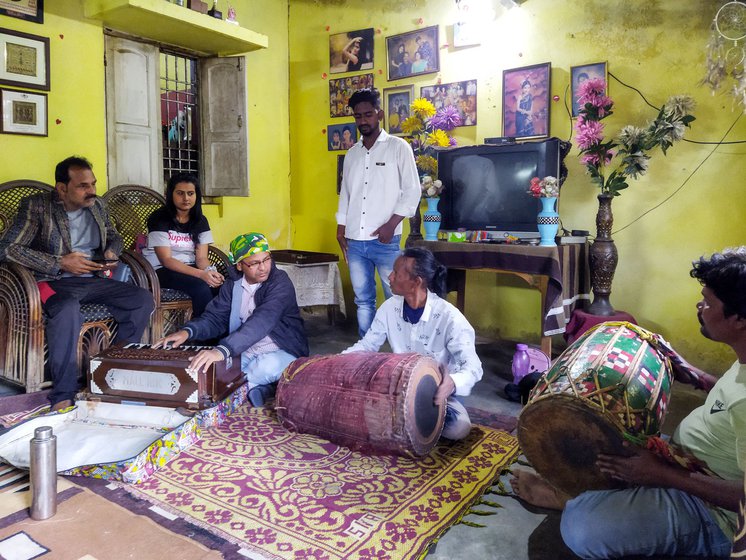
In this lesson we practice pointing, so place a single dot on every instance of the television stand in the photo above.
(560, 274)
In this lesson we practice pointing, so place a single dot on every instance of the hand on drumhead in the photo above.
(446, 388)
(643, 468)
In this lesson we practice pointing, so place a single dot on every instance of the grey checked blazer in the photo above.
(40, 235)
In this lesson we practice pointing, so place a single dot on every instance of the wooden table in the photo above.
(560, 274)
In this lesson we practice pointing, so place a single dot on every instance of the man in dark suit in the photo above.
(65, 238)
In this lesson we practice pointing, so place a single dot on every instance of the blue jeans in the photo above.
(263, 369)
(641, 521)
(363, 258)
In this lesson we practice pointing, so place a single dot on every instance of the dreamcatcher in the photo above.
(726, 51)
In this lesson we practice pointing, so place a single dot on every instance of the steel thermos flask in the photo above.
(43, 473)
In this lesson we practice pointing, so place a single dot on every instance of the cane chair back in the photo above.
(22, 343)
(129, 208)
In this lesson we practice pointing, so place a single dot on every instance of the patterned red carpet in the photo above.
(280, 495)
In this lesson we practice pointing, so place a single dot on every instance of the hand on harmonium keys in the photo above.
(205, 359)
(174, 340)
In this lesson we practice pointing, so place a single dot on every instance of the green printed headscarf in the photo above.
(246, 245)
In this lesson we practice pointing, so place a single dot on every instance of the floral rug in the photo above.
(279, 495)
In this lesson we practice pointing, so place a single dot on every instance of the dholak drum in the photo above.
(367, 401)
(611, 384)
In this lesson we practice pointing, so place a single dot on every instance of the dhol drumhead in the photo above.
(424, 432)
(561, 437)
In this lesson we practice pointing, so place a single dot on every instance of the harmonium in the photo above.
(140, 374)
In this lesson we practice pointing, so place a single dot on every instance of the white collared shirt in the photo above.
(376, 184)
(442, 333)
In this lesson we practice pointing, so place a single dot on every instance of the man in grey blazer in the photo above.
(66, 239)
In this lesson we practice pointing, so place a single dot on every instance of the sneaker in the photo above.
(260, 394)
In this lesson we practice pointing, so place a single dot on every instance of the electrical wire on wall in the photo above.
(715, 145)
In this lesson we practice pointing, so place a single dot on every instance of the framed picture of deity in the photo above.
(25, 60)
(23, 112)
(340, 91)
(526, 101)
(412, 53)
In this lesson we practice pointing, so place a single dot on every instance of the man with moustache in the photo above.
(68, 242)
(667, 508)
(380, 187)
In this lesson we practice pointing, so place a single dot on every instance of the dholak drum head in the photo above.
(424, 432)
(562, 437)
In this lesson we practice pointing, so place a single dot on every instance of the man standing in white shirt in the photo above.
(380, 187)
(417, 319)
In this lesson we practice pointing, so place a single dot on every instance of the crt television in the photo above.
(486, 187)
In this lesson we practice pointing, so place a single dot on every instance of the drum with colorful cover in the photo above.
(612, 384)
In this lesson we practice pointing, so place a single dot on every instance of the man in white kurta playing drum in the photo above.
(417, 319)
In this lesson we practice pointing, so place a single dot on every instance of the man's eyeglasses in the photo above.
(257, 264)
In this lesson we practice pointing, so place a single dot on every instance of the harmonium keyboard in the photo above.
(139, 373)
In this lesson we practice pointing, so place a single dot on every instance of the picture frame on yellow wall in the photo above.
(413, 53)
(579, 74)
(526, 101)
(396, 103)
(30, 10)
(25, 60)
(23, 112)
(351, 51)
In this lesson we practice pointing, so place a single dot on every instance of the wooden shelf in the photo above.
(168, 23)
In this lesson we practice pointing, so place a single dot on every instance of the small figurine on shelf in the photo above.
(214, 12)
(231, 18)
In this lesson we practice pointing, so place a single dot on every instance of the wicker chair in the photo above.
(129, 208)
(22, 346)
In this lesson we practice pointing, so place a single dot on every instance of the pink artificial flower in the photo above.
(589, 159)
(589, 133)
(594, 92)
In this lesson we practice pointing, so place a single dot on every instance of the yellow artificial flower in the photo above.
(411, 125)
(438, 138)
(427, 164)
(423, 108)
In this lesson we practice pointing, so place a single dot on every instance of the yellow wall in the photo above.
(77, 100)
(657, 47)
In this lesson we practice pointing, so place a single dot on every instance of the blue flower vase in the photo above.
(431, 219)
(548, 220)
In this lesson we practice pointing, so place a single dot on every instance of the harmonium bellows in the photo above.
(139, 373)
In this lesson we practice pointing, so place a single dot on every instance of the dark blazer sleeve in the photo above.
(215, 318)
(278, 295)
(25, 232)
(112, 241)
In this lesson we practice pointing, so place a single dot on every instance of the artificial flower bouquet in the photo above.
(544, 188)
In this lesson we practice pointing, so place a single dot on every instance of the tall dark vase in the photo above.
(414, 227)
(603, 258)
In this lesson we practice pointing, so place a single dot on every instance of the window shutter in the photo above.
(133, 130)
(225, 138)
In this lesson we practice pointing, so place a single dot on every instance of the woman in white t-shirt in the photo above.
(178, 238)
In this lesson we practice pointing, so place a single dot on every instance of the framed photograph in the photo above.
(340, 170)
(22, 112)
(340, 91)
(351, 51)
(412, 53)
(460, 95)
(526, 101)
(25, 60)
(579, 74)
(396, 103)
(30, 10)
(341, 136)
